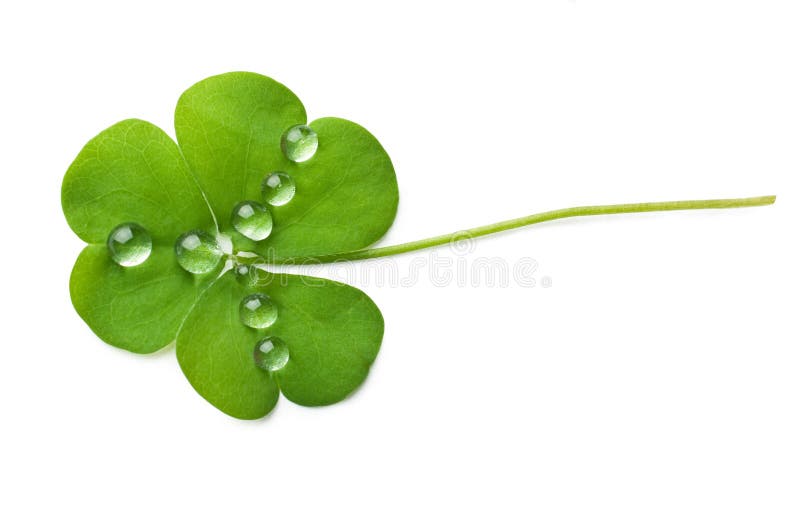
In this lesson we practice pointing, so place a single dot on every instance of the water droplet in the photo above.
(252, 220)
(271, 354)
(198, 252)
(129, 244)
(299, 143)
(257, 311)
(241, 270)
(278, 188)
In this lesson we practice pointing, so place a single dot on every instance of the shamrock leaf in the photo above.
(133, 172)
(332, 332)
(246, 165)
(230, 130)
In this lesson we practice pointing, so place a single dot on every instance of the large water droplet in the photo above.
(257, 311)
(129, 244)
(299, 143)
(198, 252)
(271, 354)
(278, 188)
(252, 220)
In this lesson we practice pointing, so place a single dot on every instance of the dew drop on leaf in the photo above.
(257, 311)
(271, 354)
(241, 270)
(198, 252)
(278, 188)
(299, 143)
(252, 220)
(129, 244)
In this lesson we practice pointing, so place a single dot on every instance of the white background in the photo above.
(658, 375)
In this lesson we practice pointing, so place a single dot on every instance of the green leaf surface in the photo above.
(333, 332)
(132, 172)
(229, 127)
(346, 196)
(136, 308)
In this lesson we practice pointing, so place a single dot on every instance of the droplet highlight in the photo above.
(299, 143)
(252, 219)
(198, 252)
(129, 244)
(278, 188)
(271, 354)
(257, 311)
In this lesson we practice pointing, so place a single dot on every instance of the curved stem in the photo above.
(578, 211)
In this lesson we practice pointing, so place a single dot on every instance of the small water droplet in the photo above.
(271, 354)
(198, 252)
(241, 270)
(252, 220)
(257, 311)
(299, 143)
(278, 188)
(129, 244)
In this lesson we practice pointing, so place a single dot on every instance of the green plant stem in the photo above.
(578, 211)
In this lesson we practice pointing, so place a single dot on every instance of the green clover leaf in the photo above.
(133, 171)
(339, 327)
(248, 166)
(229, 128)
